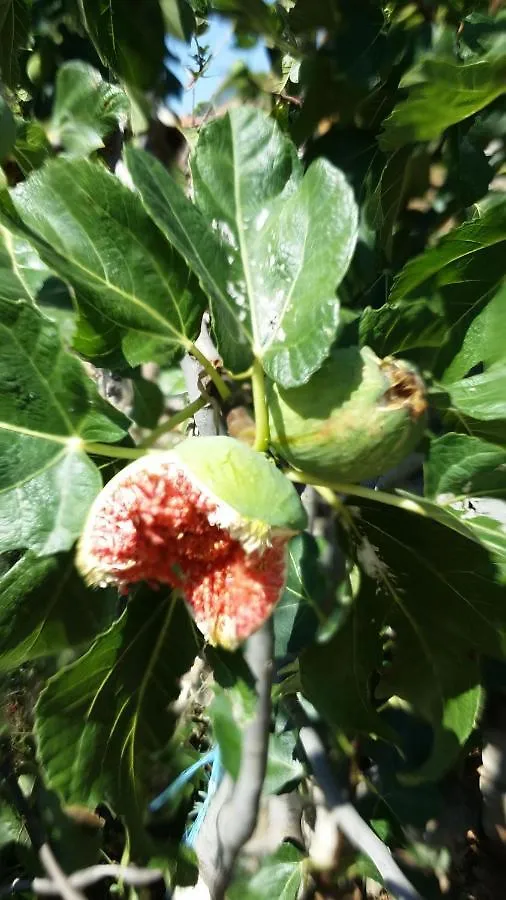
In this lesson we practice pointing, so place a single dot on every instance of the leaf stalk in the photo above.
(262, 435)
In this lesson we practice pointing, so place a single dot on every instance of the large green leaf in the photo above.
(457, 277)
(187, 229)
(413, 567)
(129, 38)
(86, 109)
(289, 240)
(442, 92)
(48, 405)
(45, 608)
(112, 706)
(337, 676)
(129, 283)
(269, 246)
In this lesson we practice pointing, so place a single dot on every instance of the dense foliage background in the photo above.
(391, 634)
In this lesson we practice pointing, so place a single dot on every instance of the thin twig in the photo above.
(84, 878)
(233, 815)
(346, 818)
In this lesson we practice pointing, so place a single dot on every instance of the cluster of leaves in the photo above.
(369, 162)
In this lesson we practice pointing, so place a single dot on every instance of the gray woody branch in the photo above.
(233, 814)
(346, 818)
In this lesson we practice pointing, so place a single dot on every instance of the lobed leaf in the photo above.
(47, 482)
(134, 290)
(268, 245)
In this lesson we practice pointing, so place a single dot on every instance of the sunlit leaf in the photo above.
(86, 109)
(268, 246)
(129, 283)
(442, 92)
(47, 404)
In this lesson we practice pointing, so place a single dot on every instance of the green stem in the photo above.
(113, 451)
(262, 435)
(213, 373)
(174, 421)
(357, 490)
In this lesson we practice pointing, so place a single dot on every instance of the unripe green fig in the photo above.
(355, 418)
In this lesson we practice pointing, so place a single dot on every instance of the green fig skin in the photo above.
(355, 418)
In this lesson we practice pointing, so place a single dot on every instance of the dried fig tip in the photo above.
(407, 389)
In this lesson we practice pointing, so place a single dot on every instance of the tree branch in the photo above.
(346, 818)
(85, 878)
(232, 817)
(47, 858)
(206, 419)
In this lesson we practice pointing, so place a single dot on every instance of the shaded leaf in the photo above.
(48, 404)
(45, 608)
(299, 611)
(86, 109)
(413, 567)
(112, 704)
(32, 146)
(14, 30)
(469, 171)
(442, 92)
(7, 129)
(484, 339)
(403, 326)
(148, 402)
(462, 273)
(281, 875)
(282, 768)
(178, 18)
(130, 284)
(129, 38)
